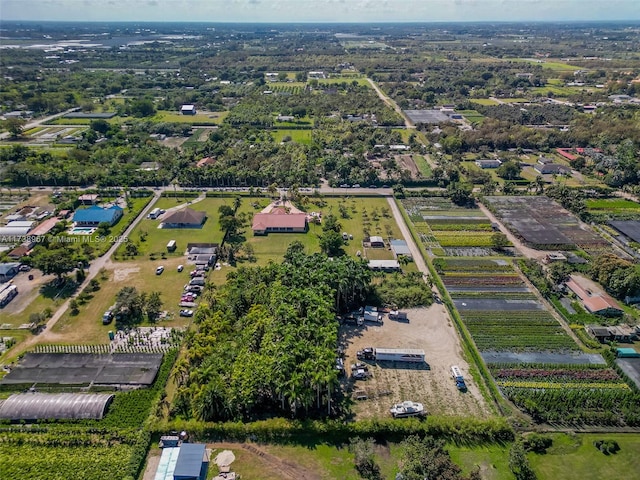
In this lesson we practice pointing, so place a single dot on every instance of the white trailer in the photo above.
(371, 314)
(399, 355)
(155, 213)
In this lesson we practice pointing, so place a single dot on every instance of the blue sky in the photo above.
(320, 10)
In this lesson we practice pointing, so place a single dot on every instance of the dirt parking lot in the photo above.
(431, 330)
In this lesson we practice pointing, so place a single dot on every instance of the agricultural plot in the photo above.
(581, 394)
(499, 310)
(617, 209)
(456, 231)
(534, 362)
(543, 224)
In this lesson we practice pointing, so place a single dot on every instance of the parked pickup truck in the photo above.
(398, 315)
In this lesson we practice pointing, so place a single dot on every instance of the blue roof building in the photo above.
(192, 463)
(95, 215)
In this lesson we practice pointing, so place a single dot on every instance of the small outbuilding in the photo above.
(188, 110)
(8, 271)
(384, 265)
(376, 242)
(400, 247)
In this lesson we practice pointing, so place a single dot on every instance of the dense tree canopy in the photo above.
(267, 342)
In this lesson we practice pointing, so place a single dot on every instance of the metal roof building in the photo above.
(400, 247)
(192, 463)
(167, 464)
(36, 406)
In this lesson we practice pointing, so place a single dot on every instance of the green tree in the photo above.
(153, 306)
(332, 243)
(14, 126)
(364, 458)
(509, 170)
(56, 261)
(130, 305)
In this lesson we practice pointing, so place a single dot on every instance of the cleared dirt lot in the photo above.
(431, 330)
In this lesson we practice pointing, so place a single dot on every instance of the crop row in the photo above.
(495, 295)
(460, 240)
(606, 406)
(556, 374)
(48, 463)
(560, 385)
(481, 280)
(523, 315)
(459, 226)
(508, 323)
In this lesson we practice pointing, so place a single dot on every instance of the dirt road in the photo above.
(429, 329)
(98, 264)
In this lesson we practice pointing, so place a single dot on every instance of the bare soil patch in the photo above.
(431, 330)
(121, 274)
(407, 162)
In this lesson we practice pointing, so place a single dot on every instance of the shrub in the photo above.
(537, 443)
(607, 446)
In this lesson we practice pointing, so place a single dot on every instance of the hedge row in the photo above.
(464, 431)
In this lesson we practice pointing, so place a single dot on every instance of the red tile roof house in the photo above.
(279, 221)
(594, 302)
(205, 161)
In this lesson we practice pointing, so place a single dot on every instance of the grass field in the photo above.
(573, 457)
(493, 460)
(361, 81)
(483, 101)
(214, 118)
(423, 165)
(550, 64)
(297, 136)
(612, 204)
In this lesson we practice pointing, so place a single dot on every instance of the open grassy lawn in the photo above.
(157, 238)
(423, 165)
(514, 100)
(199, 118)
(87, 327)
(573, 457)
(297, 136)
(483, 101)
(550, 64)
(361, 81)
(493, 460)
(332, 462)
(274, 246)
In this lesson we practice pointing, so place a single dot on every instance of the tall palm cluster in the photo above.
(267, 342)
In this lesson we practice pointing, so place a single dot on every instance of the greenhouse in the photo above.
(37, 406)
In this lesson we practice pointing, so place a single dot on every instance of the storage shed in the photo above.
(44, 406)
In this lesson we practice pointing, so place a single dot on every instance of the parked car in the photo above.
(366, 354)
(186, 313)
(180, 268)
(159, 270)
(24, 268)
(360, 374)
